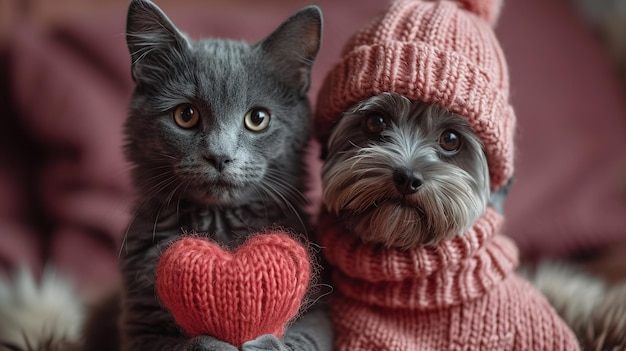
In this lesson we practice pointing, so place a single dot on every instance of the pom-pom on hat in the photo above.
(440, 51)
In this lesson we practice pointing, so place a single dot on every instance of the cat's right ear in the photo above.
(292, 47)
(152, 38)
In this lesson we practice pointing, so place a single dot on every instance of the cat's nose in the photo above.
(218, 161)
(407, 181)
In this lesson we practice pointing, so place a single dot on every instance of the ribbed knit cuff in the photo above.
(455, 271)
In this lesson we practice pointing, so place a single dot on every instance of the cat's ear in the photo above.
(151, 37)
(292, 47)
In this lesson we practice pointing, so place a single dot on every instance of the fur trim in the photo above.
(606, 327)
(39, 316)
(595, 311)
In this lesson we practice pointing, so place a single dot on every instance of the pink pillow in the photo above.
(570, 190)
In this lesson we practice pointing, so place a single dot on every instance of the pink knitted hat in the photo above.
(442, 52)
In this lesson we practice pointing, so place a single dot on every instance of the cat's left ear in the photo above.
(292, 48)
(152, 38)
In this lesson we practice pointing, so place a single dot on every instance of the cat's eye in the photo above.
(186, 116)
(450, 141)
(257, 119)
(375, 123)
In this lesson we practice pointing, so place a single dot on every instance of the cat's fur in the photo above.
(217, 178)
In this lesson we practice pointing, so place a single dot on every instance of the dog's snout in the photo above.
(407, 181)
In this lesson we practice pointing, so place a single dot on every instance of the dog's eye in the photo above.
(375, 123)
(450, 141)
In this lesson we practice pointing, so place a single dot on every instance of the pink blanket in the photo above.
(64, 190)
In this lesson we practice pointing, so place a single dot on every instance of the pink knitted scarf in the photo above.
(424, 278)
(459, 295)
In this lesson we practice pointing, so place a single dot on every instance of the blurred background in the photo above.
(65, 83)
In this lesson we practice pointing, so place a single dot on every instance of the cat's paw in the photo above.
(209, 343)
(266, 342)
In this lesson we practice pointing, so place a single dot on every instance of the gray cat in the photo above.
(216, 132)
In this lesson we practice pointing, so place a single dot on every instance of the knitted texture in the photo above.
(237, 296)
(489, 10)
(459, 295)
(433, 51)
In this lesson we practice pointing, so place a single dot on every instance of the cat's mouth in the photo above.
(215, 189)
(220, 184)
(216, 192)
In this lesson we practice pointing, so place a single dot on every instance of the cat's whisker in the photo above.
(163, 205)
(275, 176)
(281, 186)
(275, 196)
(262, 195)
(171, 196)
(158, 179)
(180, 195)
(167, 156)
(161, 164)
(273, 187)
(137, 210)
(127, 168)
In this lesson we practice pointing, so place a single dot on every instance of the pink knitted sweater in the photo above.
(460, 295)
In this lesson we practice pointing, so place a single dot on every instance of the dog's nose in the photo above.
(407, 181)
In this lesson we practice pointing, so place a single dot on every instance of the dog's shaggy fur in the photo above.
(594, 310)
(396, 149)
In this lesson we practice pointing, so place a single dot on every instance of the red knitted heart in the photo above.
(237, 296)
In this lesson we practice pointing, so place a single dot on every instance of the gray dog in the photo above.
(413, 240)
(405, 173)
(418, 138)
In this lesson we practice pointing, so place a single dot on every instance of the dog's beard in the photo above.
(358, 174)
